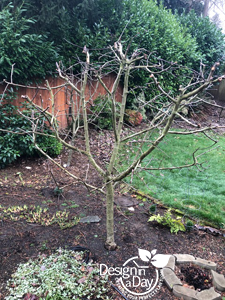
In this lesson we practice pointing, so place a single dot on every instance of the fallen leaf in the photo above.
(82, 280)
(83, 268)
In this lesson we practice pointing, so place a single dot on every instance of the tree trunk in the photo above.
(110, 242)
(206, 8)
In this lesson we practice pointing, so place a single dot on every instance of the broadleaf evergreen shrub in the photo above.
(157, 30)
(32, 55)
(14, 145)
(210, 39)
(50, 145)
(29, 35)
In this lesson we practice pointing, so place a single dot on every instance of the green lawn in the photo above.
(200, 194)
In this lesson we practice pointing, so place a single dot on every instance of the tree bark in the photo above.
(110, 242)
(206, 8)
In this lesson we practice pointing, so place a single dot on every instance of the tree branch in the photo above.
(68, 173)
(195, 131)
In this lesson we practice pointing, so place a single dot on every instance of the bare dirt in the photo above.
(195, 277)
(30, 182)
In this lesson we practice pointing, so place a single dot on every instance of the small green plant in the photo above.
(44, 246)
(58, 191)
(19, 174)
(152, 209)
(39, 215)
(167, 219)
(62, 275)
(74, 205)
(189, 225)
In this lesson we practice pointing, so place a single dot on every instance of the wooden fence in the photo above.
(63, 96)
(219, 92)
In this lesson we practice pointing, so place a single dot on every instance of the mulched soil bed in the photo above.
(21, 241)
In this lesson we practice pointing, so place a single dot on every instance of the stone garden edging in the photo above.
(176, 286)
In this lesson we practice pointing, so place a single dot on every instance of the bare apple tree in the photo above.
(124, 66)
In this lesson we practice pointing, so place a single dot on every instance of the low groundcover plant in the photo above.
(175, 224)
(62, 275)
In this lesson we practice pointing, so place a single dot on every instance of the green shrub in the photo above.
(50, 145)
(14, 145)
(101, 113)
(60, 276)
(7, 154)
(210, 39)
(33, 55)
(157, 30)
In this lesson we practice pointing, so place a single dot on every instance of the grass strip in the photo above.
(199, 193)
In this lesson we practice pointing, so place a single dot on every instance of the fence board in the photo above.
(63, 95)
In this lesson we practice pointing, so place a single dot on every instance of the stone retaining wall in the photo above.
(185, 293)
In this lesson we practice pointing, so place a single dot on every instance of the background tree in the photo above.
(201, 7)
(124, 66)
(186, 6)
(209, 5)
(204, 8)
